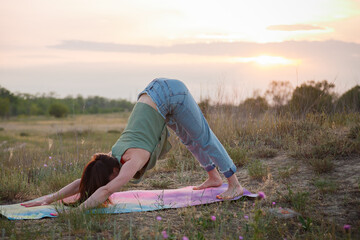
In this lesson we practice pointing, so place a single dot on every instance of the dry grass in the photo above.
(310, 165)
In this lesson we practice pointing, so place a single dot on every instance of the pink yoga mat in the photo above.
(132, 201)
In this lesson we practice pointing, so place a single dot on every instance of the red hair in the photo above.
(95, 175)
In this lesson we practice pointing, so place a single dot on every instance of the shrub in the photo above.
(114, 131)
(238, 155)
(354, 132)
(265, 152)
(322, 165)
(254, 106)
(280, 93)
(257, 169)
(312, 97)
(349, 101)
(58, 110)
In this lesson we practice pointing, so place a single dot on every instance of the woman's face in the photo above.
(114, 174)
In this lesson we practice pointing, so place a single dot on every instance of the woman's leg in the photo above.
(184, 116)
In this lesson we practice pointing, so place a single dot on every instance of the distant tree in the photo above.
(312, 97)
(35, 109)
(279, 93)
(13, 100)
(4, 107)
(40, 104)
(349, 101)
(58, 110)
(254, 106)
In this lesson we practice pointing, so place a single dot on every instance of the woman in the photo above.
(164, 103)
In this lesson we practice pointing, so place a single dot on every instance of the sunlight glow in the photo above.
(266, 60)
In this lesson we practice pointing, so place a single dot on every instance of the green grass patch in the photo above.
(298, 200)
(324, 165)
(238, 155)
(257, 169)
(325, 185)
(264, 152)
(287, 171)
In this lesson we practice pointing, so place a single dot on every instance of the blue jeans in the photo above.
(183, 115)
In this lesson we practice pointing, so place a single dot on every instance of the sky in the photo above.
(226, 50)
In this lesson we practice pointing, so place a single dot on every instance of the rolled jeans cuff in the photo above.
(210, 167)
(229, 172)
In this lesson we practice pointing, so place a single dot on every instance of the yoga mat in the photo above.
(131, 201)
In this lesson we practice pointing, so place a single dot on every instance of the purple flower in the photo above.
(347, 227)
(246, 217)
(262, 195)
(241, 237)
(185, 238)
(158, 218)
(50, 157)
(213, 218)
(45, 165)
(164, 234)
(273, 203)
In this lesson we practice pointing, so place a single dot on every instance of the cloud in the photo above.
(290, 49)
(294, 27)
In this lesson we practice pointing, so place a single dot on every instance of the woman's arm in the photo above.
(126, 173)
(66, 191)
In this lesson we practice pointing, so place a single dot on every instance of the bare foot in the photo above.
(234, 189)
(214, 180)
(210, 182)
(231, 193)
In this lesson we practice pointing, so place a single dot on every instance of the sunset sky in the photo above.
(223, 49)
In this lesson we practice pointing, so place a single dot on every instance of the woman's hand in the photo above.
(42, 202)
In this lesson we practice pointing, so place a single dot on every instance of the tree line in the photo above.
(309, 97)
(12, 104)
(281, 97)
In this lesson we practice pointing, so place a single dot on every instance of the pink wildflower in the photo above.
(241, 237)
(273, 203)
(213, 218)
(185, 238)
(262, 195)
(45, 165)
(246, 217)
(158, 218)
(347, 227)
(50, 157)
(164, 234)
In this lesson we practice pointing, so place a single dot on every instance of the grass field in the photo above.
(310, 165)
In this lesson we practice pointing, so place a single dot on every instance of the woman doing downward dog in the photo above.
(164, 103)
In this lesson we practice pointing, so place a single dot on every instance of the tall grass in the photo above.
(49, 161)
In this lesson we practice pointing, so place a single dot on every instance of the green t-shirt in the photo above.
(146, 129)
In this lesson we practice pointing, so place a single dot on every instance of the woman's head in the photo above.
(101, 169)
